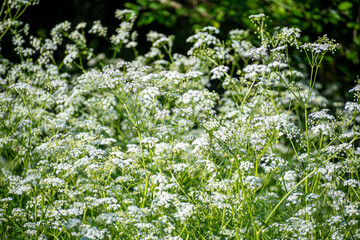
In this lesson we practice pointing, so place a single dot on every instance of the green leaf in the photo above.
(155, 6)
(316, 16)
(334, 16)
(343, 6)
(146, 19)
(357, 41)
(143, 2)
(133, 7)
(353, 25)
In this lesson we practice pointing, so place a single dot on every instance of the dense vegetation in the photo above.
(339, 19)
(232, 139)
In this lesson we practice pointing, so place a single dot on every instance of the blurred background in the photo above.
(339, 19)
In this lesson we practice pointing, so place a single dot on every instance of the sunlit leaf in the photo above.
(343, 6)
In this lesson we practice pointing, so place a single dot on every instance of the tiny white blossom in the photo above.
(219, 72)
(98, 28)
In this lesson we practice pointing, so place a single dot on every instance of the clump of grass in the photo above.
(96, 147)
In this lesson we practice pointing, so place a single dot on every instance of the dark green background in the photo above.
(339, 19)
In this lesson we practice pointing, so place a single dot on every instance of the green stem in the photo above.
(298, 184)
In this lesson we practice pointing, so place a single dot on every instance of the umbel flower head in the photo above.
(322, 45)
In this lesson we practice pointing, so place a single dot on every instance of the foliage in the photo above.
(93, 147)
(339, 19)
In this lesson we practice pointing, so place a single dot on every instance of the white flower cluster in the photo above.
(322, 45)
(287, 36)
(143, 149)
(98, 28)
(219, 72)
(202, 39)
(14, 4)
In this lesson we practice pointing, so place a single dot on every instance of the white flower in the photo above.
(246, 166)
(152, 36)
(184, 211)
(81, 25)
(53, 181)
(72, 223)
(278, 49)
(149, 141)
(131, 44)
(352, 106)
(238, 34)
(352, 182)
(316, 47)
(200, 142)
(192, 96)
(162, 41)
(163, 199)
(200, 40)
(107, 218)
(219, 72)
(321, 115)
(355, 89)
(161, 115)
(72, 54)
(259, 52)
(287, 36)
(290, 176)
(18, 40)
(21, 86)
(135, 211)
(352, 209)
(93, 233)
(98, 29)
(120, 14)
(253, 182)
(322, 45)
(257, 16)
(211, 29)
(144, 226)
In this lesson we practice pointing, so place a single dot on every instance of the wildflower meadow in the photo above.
(232, 140)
